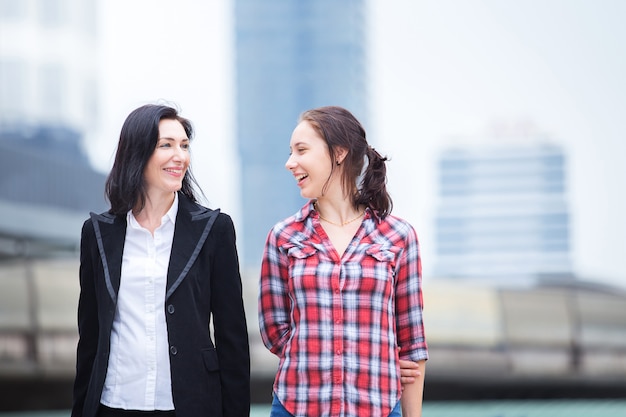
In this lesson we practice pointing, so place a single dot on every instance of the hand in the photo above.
(409, 371)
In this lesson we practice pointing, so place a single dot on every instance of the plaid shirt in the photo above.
(339, 325)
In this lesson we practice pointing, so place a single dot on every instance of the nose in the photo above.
(180, 153)
(291, 163)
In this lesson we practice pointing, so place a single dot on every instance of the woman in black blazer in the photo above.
(156, 271)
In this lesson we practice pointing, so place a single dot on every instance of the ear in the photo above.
(340, 154)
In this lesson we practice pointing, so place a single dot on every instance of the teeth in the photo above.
(301, 177)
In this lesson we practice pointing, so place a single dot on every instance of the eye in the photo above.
(164, 145)
(185, 146)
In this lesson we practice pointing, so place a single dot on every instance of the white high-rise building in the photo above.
(48, 64)
(503, 213)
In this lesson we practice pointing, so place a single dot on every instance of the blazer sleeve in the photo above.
(87, 319)
(229, 321)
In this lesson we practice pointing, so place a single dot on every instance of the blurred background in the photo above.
(503, 120)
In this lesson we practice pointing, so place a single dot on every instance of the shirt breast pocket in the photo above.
(373, 273)
(386, 254)
(379, 262)
(303, 264)
(301, 252)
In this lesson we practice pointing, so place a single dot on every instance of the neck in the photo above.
(339, 214)
(155, 208)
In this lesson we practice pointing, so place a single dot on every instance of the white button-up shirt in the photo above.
(138, 374)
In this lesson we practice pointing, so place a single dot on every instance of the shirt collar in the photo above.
(305, 211)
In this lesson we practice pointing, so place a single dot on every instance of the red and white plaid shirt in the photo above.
(339, 325)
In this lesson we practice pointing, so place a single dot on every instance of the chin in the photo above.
(306, 195)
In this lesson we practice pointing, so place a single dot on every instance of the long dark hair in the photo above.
(340, 129)
(125, 187)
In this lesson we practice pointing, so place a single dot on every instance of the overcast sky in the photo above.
(442, 71)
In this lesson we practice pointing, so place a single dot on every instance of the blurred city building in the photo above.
(48, 64)
(48, 104)
(48, 108)
(290, 56)
(503, 213)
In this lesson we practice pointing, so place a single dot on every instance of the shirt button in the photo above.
(338, 351)
(171, 309)
(173, 350)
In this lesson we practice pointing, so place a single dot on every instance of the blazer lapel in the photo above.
(110, 234)
(193, 224)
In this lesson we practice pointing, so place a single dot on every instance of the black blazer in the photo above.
(203, 283)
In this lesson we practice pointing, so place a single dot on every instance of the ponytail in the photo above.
(373, 190)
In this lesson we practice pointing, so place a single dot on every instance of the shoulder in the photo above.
(223, 222)
(194, 208)
(98, 225)
(104, 217)
(398, 222)
(396, 226)
(285, 224)
(293, 230)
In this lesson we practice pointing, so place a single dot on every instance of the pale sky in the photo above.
(441, 71)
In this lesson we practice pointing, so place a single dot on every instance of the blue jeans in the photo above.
(397, 411)
(279, 411)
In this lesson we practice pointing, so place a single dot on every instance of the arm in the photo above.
(231, 331)
(409, 322)
(87, 321)
(274, 305)
(412, 394)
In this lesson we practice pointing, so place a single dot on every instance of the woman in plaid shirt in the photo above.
(340, 298)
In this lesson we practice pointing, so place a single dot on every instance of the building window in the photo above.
(12, 88)
(52, 87)
(11, 10)
(51, 13)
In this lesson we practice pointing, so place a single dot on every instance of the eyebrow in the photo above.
(172, 139)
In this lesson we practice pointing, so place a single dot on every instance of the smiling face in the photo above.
(309, 161)
(168, 163)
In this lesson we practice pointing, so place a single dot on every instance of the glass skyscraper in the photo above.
(503, 213)
(290, 56)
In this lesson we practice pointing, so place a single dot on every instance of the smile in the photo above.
(174, 171)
